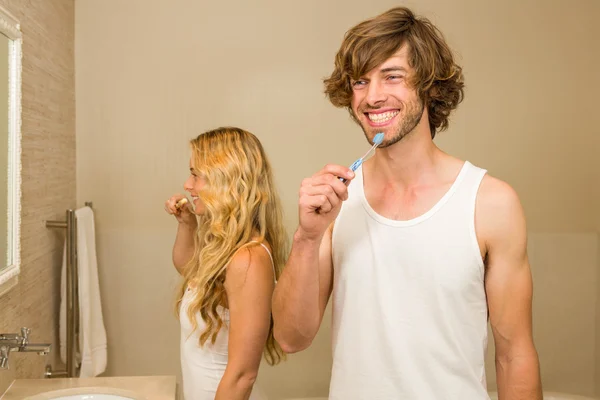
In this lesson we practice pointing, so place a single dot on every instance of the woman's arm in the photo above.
(249, 284)
(183, 248)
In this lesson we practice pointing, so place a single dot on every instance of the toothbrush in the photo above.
(376, 142)
(181, 203)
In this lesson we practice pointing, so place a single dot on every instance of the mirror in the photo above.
(10, 149)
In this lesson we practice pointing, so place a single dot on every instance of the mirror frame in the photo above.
(10, 27)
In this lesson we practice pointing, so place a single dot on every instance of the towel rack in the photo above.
(72, 289)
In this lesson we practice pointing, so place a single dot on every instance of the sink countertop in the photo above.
(144, 387)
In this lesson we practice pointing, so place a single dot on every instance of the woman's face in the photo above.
(193, 185)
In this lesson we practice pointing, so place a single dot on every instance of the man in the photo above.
(417, 248)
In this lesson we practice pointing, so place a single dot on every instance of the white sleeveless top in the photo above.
(409, 303)
(202, 367)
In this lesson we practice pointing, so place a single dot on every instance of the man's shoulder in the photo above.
(497, 194)
(498, 213)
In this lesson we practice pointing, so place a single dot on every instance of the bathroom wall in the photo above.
(48, 174)
(597, 352)
(595, 186)
(151, 75)
(597, 348)
(595, 134)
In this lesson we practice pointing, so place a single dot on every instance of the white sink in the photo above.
(91, 397)
(553, 396)
(88, 393)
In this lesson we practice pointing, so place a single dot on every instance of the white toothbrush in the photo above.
(376, 142)
(181, 203)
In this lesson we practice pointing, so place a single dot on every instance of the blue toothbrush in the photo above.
(376, 142)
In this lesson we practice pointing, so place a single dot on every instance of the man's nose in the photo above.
(375, 94)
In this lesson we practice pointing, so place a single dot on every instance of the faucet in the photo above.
(4, 357)
(10, 342)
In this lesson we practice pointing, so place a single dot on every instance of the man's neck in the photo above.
(409, 162)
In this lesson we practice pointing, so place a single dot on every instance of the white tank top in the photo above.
(409, 305)
(202, 367)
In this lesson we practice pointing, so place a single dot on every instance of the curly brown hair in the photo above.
(438, 80)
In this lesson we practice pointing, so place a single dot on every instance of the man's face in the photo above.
(383, 100)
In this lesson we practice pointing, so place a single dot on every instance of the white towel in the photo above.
(92, 334)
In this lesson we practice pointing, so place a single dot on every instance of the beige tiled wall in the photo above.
(597, 349)
(48, 174)
(595, 134)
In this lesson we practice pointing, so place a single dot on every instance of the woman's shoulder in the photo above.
(253, 252)
(251, 262)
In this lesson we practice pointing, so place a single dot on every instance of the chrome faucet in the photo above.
(10, 342)
(4, 350)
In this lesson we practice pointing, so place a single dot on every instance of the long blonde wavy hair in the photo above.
(241, 205)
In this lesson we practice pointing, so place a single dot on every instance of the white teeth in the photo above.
(382, 117)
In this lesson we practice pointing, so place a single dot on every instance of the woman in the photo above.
(230, 248)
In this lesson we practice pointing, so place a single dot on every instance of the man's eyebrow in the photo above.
(392, 69)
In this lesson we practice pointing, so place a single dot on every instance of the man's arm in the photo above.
(305, 285)
(500, 221)
(302, 292)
